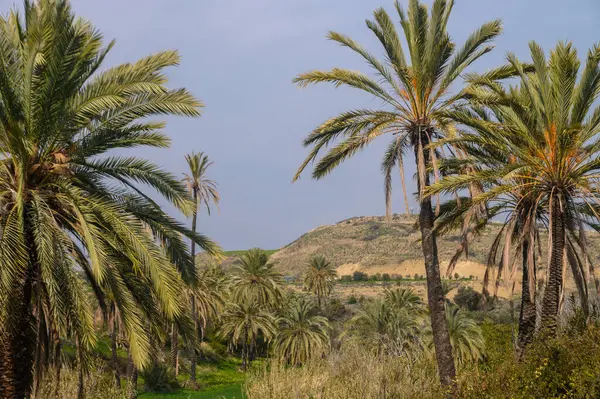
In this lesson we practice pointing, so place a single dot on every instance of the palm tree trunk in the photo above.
(57, 363)
(528, 313)
(132, 375)
(19, 344)
(175, 349)
(194, 356)
(554, 286)
(80, 370)
(113, 339)
(435, 292)
(403, 183)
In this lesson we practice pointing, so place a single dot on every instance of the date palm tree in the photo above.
(204, 192)
(319, 278)
(254, 279)
(301, 333)
(468, 343)
(415, 96)
(73, 216)
(549, 139)
(243, 323)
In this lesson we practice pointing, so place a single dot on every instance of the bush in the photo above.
(468, 298)
(373, 277)
(360, 276)
(346, 277)
(563, 367)
(159, 378)
(456, 276)
(352, 300)
(416, 276)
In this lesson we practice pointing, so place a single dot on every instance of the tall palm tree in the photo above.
(319, 277)
(71, 215)
(243, 323)
(415, 97)
(549, 136)
(301, 333)
(203, 191)
(254, 279)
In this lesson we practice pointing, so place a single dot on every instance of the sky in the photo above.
(240, 56)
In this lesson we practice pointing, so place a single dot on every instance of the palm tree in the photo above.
(203, 191)
(301, 333)
(208, 298)
(71, 215)
(387, 326)
(254, 279)
(467, 340)
(319, 277)
(243, 323)
(550, 137)
(416, 96)
(403, 298)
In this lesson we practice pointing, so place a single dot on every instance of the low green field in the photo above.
(231, 391)
(220, 380)
(240, 252)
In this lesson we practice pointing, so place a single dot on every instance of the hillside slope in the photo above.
(379, 245)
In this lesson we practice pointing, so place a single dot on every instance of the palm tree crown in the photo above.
(198, 183)
(319, 277)
(255, 280)
(301, 333)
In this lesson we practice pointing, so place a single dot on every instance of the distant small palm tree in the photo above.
(254, 279)
(403, 298)
(203, 191)
(301, 333)
(243, 323)
(319, 278)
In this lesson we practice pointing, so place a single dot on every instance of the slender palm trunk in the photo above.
(132, 375)
(194, 356)
(19, 340)
(554, 286)
(57, 362)
(528, 313)
(113, 347)
(80, 370)
(403, 183)
(435, 292)
(175, 348)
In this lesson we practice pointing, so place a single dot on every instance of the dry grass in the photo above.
(348, 374)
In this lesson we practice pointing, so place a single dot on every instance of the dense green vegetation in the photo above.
(103, 294)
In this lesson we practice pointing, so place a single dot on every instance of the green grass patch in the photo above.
(240, 252)
(220, 380)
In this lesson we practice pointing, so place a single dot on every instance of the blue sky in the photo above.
(239, 57)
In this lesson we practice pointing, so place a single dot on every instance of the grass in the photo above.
(240, 252)
(231, 391)
(220, 380)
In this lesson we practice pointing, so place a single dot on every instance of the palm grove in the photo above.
(81, 232)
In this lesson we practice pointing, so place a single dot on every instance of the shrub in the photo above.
(563, 367)
(468, 298)
(159, 378)
(416, 276)
(346, 277)
(352, 300)
(456, 276)
(378, 277)
(373, 277)
(360, 276)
